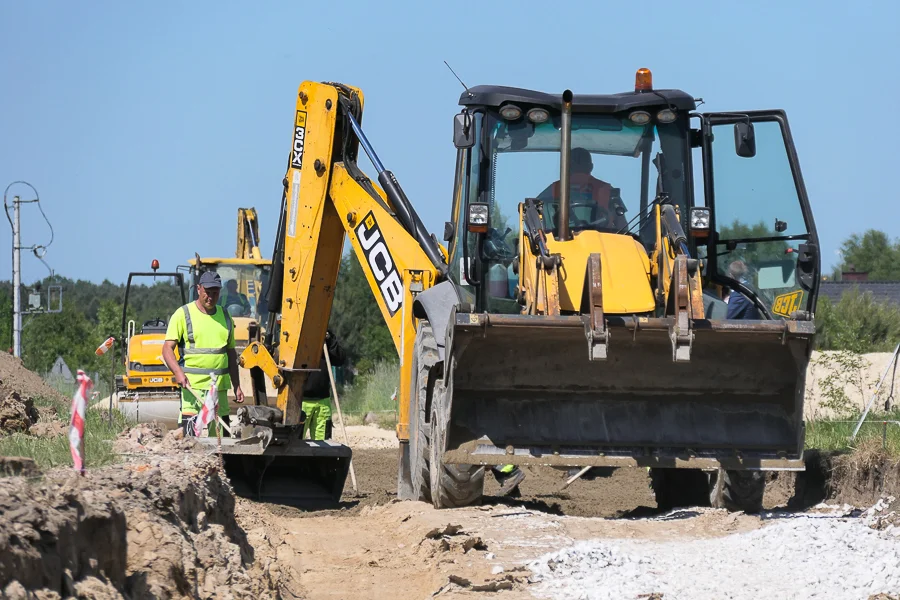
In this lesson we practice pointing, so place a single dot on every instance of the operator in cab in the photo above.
(592, 202)
(204, 333)
(234, 302)
(317, 392)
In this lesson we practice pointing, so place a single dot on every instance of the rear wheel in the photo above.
(737, 490)
(676, 488)
(414, 477)
(452, 486)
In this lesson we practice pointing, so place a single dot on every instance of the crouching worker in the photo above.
(204, 334)
(317, 393)
(508, 477)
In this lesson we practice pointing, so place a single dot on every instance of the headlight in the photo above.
(700, 218)
(538, 115)
(639, 117)
(136, 366)
(510, 112)
(478, 217)
(665, 116)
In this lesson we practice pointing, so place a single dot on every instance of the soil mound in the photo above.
(157, 530)
(14, 377)
(16, 414)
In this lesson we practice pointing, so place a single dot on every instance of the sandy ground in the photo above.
(174, 529)
(378, 547)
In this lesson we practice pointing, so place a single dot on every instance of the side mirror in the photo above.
(463, 131)
(744, 139)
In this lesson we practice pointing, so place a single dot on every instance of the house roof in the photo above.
(882, 291)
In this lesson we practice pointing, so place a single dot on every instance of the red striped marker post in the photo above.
(76, 431)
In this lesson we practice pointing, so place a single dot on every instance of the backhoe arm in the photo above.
(327, 197)
(247, 234)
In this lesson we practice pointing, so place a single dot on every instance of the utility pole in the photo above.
(17, 280)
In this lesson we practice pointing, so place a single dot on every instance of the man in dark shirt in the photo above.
(739, 305)
(317, 392)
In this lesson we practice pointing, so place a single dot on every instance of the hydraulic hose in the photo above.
(400, 203)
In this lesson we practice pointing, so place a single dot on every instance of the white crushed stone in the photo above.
(796, 556)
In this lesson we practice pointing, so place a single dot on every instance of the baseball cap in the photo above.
(210, 279)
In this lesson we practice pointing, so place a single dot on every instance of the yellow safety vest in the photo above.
(206, 347)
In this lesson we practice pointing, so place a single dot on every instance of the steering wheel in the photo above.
(235, 309)
(600, 216)
(157, 322)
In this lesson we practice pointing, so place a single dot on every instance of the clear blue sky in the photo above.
(145, 125)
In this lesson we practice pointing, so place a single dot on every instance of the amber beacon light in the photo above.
(643, 80)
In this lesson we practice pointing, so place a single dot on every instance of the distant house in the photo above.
(881, 291)
(61, 369)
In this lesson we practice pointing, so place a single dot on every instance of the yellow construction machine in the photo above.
(147, 391)
(626, 282)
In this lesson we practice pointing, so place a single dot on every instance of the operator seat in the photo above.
(156, 325)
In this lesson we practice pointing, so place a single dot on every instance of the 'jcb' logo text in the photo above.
(299, 140)
(785, 304)
(381, 263)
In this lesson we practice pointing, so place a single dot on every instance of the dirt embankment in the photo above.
(14, 377)
(18, 389)
(163, 527)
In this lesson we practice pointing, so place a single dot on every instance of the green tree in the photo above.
(858, 323)
(69, 334)
(872, 253)
(356, 318)
(750, 252)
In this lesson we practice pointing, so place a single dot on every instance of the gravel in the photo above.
(793, 556)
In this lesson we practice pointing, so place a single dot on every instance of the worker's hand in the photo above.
(238, 395)
(182, 380)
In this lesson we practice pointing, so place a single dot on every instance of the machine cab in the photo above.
(244, 283)
(621, 157)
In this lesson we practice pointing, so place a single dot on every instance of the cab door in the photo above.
(763, 244)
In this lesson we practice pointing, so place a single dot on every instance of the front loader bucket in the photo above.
(524, 391)
(306, 474)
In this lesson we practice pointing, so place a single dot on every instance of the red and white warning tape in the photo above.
(76, 431)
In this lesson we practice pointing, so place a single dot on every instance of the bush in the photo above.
(858, 323)
(374, 391)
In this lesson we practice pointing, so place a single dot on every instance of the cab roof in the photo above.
(497, 95)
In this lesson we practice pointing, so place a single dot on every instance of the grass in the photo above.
(372, 392)
(49, 452)
(834, 434)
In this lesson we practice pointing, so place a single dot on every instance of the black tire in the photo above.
(425, 357)
(452, 486)
(675, 488)
(738, 490)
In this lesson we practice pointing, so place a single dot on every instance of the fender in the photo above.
(436, 304)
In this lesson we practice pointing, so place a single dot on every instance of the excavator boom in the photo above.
(327, 199)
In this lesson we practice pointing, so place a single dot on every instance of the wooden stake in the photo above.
(577, 475)
(337, 405)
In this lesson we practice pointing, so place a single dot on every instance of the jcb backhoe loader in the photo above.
(590, 308)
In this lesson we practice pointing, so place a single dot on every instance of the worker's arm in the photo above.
(233, 365)
(335, 351)
(235, 375)
(168, 355)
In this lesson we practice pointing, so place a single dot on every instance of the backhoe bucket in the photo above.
(524, 391)
(305, 474)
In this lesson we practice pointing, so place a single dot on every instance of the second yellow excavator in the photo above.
(626, 282)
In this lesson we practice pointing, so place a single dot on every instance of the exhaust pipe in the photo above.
(565, 149)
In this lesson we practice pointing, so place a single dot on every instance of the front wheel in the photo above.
(737, 490)
(414, 472)
(452, 486)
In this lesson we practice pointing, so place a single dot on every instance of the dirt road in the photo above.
(378, 547)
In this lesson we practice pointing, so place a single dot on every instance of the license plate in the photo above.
(156, 380)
